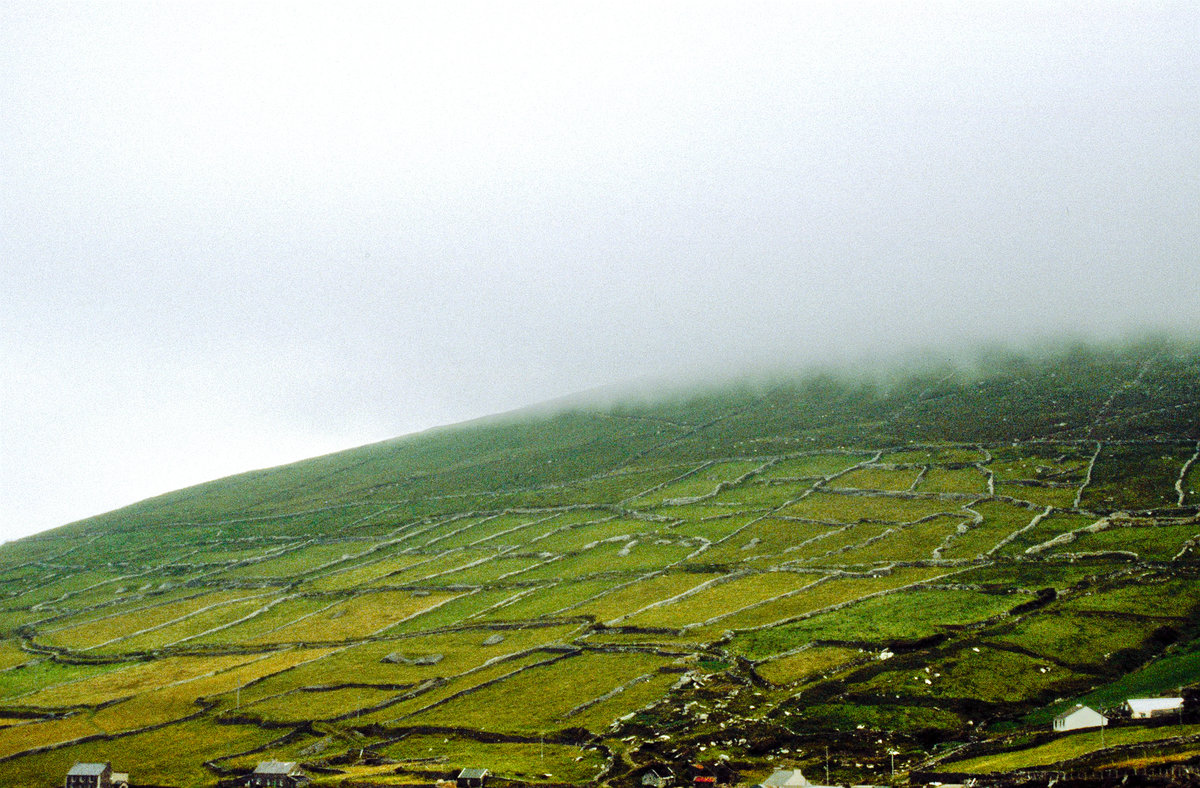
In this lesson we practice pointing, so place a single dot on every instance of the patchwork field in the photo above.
(550, 597)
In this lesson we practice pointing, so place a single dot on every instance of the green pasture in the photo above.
(832, 549)
(716, 529)
(829, 507)
(610, 489)
(306, 705)
(577, 537)
(792, 668)
(1067, 747)
(1152, 542)
(1136, 476)
(970, 481)
(1000, 519)
(431, 565)
(1161, 677)
(633, 695)
(813, 466)
(264, 623)
(618, 558)
(560, 687)
(721, 599)
(487, 530)
(11, 655)
(185, 629)
(949, 455)
(1039, 495)
(430, 701)
(222, 553)
(1079, 640)
(1191, 485)
(1060, 575)
(905, 615)
(770, 640)
(173, 755)
(1153, 596)
(364, 663)
(42, 673)
(551, 599)
(467, 542)
(754, 494)
(765, 537)
(111, 630)
(143, 596)
(120, 680)
(877, 478)
(915, 542)
(980, 673)
(498, 569)
(525, 761)
(1041, 462)
(703, 481)
(357, 617)
(882, 718)
(1047, 528)
(456, 610)
(626, 600)
(295, 563)
(66, 585)
(364, 573)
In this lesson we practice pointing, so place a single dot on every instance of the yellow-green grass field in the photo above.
(721, 599)
(560, 688)
(785, 670)
(1069, 746)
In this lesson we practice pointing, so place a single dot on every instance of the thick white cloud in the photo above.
(236, 234)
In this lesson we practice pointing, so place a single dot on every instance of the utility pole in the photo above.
(827, 764)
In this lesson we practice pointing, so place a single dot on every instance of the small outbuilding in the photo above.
(1079, 717)
(277, 774)
(471, 778)
(1148, 708)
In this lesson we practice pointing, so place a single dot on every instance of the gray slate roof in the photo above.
(1072, 710)
(88, 769)
(275, 767)
(472, 774)
(786, 777)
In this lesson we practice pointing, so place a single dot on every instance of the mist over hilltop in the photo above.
(238, 238)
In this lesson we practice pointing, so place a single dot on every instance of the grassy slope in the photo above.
(775, 510)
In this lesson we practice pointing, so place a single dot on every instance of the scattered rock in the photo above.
(316, 748)
(494, 639)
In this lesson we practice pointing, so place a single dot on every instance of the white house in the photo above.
(1077, 717)
(1145, 708)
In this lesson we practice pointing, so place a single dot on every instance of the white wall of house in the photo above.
(1085, 717)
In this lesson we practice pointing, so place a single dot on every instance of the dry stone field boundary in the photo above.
(714, 575)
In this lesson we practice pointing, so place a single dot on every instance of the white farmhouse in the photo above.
(1145, 708)
(1077, 717)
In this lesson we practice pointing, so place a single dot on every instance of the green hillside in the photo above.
(744, 576)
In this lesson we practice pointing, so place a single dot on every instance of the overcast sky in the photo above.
(233, 235)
